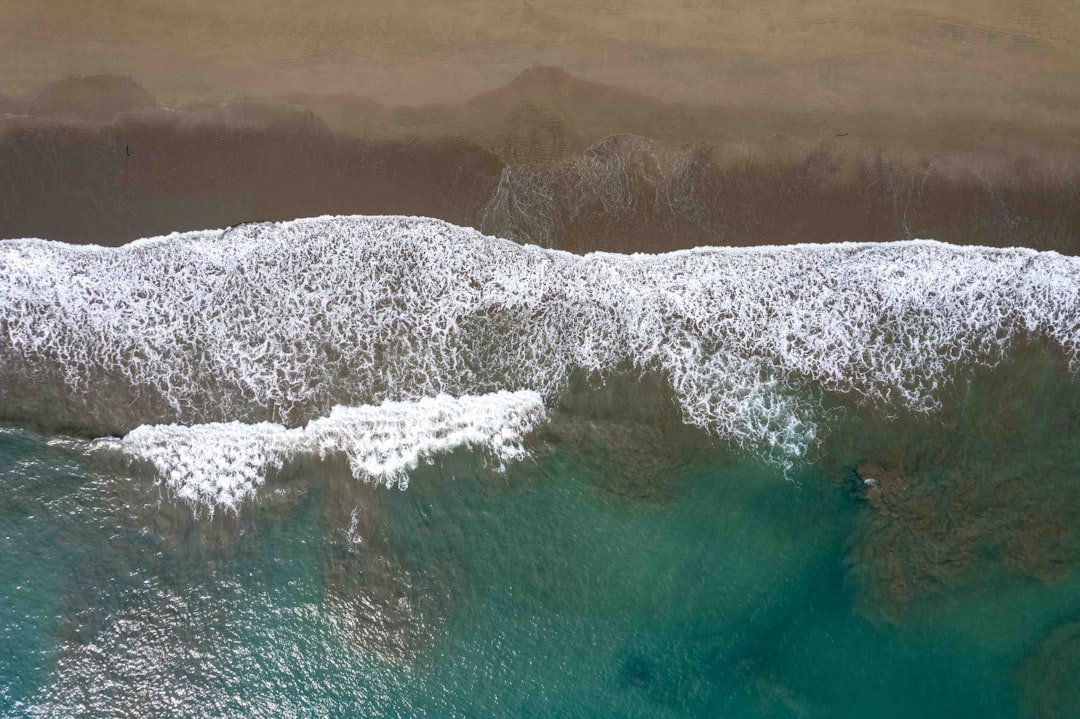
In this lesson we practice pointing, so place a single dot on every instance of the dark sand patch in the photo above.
(627, 430)
(983, 493)
(112, 183)
(630, 194)
(94, 98)
(247, 162)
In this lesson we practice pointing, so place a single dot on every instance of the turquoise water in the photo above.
(549, 591)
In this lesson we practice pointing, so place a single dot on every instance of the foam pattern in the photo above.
(219, 464)
(281, 322)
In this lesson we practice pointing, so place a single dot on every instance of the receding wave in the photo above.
(222, 463)
(281, 322)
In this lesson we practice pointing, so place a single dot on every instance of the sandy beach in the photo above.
(847, 121)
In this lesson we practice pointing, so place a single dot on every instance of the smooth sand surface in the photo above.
(1015, 58)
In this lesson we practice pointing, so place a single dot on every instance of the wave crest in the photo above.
(222, 463)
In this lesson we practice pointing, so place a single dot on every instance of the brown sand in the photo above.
(109, 183)
(112, 183)
(771, 120)
(549, 158)
(1015, 58)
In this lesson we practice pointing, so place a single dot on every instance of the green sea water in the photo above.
(713, 587)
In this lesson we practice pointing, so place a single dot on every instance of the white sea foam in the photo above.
(222, 463)
(283, 321)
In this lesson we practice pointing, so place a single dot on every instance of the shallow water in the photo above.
(557, 590)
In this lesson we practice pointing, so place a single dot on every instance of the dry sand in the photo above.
(1013, 58)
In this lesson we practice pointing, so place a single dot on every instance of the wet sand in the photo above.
(113, 182)
(548, 158)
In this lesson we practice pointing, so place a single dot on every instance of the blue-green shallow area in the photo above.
(536, 593)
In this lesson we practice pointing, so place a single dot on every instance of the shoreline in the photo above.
(115, 182)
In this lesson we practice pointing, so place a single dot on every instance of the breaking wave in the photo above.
(222, 463)
(282, 322)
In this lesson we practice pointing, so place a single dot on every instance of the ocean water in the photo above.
(390, 467)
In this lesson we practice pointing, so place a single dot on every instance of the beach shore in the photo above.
(112, 182)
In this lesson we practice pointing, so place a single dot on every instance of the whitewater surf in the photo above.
(281, 323)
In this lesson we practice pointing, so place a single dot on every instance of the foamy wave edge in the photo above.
(284, 321)
(221, 464)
